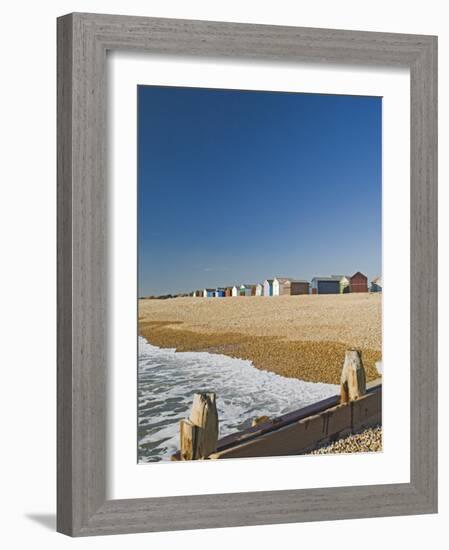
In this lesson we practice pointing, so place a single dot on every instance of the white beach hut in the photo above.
(279, 284)
(236, 291)
(259, 289)
(268, 287)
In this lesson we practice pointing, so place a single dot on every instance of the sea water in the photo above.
(168, 379)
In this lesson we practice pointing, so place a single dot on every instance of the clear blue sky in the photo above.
(239, 186)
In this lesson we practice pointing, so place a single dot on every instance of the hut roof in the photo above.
(283, 279)
(268, 281)
(342, 276)
(332, 278)
(299, 281)
(359, 274)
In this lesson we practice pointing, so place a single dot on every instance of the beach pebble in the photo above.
(367, 441)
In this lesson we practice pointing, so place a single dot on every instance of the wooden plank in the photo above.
(278, 422)
(353, 377)
(284, 420)
(367, 412)
(188, 435)
(305, 434)
(199, 434)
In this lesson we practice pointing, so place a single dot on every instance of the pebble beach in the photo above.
(366, 441)
(302, 337)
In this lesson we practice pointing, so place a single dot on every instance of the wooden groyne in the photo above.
(358, 406)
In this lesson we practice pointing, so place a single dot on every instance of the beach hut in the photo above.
(344, 283)
(358, 282)
(259, 289)
(198, 293)
(219, 293)
(325, 285)
(268, 287)
(376, 284)
(279, 284)
(228, 291)
(247, 290)
(295, 287)
(236, 291)
(209, 292)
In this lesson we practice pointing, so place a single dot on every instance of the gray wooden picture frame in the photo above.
(83, 40)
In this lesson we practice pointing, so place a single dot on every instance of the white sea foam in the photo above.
(168, 380)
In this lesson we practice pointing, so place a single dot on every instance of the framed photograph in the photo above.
(247, 274)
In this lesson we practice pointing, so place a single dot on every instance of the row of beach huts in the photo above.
(285, 286)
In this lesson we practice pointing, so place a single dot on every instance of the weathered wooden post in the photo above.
(199, 434)
(353, 377)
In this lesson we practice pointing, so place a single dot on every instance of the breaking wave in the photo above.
(168, 379)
